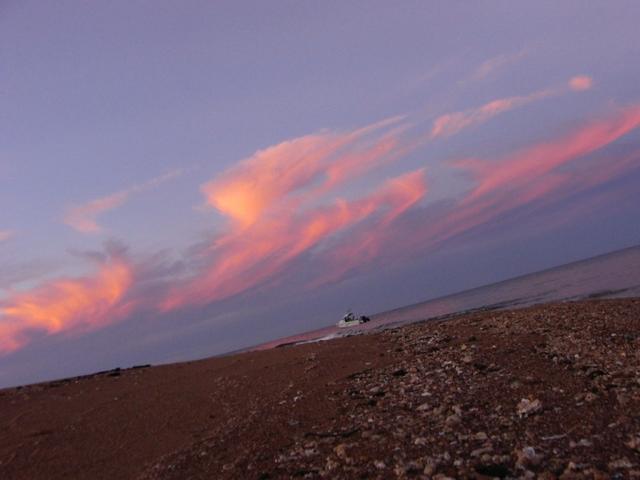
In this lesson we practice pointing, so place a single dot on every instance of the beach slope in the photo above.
(551, 391)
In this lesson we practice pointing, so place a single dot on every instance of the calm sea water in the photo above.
(612, 275)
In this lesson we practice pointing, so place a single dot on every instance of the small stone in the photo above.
(634, 443)
(429, 468)
(423, 407)
(452, 420)
(527, 457)
(481, 451)
(379, 464)
(341, 451)
(412, 467)
(331, 464)
(620, 464)
(481, 436)
(528, 407)
(485, 458)
(375, 390)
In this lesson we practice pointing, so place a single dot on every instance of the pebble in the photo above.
(528, 407)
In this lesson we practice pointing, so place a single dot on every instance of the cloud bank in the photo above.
(291, 207)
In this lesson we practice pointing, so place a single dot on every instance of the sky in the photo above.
(183, 179)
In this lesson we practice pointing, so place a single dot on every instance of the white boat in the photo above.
(350, 320)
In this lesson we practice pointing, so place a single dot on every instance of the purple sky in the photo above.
(180, 179)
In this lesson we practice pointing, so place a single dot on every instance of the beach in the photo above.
(549, 391)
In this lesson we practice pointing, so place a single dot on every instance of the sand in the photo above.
(550, 391)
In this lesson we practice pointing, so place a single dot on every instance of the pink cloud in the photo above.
(244, 192)
(452, 123)
(66, 305)
(538, 175)
(83, 218)
(285, 226)
(519, 169)
(268, 197)
(279, 203)
(492, 65)
(6, 235)
(580, 83)
(283, 208)
(534, 174)
(366, 243)
(279, 173)
(247, 257)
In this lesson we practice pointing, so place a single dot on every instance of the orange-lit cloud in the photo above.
(275, 223)
(581, 82)
(83, 218)
(74, 304)
(281, 206)
(273, 175)
(248, 189)
(247, 257)
(365, 244)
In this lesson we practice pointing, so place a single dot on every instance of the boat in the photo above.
(351, 320)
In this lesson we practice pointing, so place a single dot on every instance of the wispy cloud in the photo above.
(494, 64)
(536, 174)
(286, 171)
(83, 218)
(540, 174)
(278, 203)
(14, 273)
(245, 259)
(533, 163)
(451, 123)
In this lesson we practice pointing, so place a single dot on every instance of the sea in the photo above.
(613, 275)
